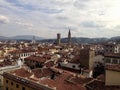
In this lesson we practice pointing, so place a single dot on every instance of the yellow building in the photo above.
(43, 79)
(13, 82)
(112, 76)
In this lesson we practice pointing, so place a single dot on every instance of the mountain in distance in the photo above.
(115, 39)
(79, 40)
(25, 37)
(21, 37)
(3, 38)
(64, 40)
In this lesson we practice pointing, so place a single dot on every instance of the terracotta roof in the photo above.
(76, 59)
(49, 64)
(116, 55)
(101, 77)
(80, 79)
(113, 67)
(36, 58)
(61, 83)
(69, 69)
(22, 72)
(26, 82)
(100, 85)
(2, 57)
(21, 51)
(5, 63)
(39, 72)
(15, 57)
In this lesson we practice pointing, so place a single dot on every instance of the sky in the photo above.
(46, 18)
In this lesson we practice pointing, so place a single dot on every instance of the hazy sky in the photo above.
(46, 18)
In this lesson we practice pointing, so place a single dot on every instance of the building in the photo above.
(112, 48)
(112, 69)
(58, 39)
(112, 58)
(112, 75)
(4, 67)
(69, 37)
(43, 79)
(21, 53)
(37, 61)
(33, 40)
(81, 63)
(87, 58)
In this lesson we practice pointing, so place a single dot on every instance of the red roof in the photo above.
(100, 85)
(116, 55)
(22, 72)
(61, 83)
(113, 67)
(39, 72)
(36, 58)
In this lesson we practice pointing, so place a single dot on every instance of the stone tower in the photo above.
(33, 40)
(58, 39)
(69, 37)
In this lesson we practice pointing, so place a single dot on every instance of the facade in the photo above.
(112, 48)
(37, 61)
(69, 37)
(12, 82)
(6, 69)
(81, 63)
(112, 58)
(73, 66)
(87, 58)
(47, 79)
(33, 40)
(58, 39)
(112, 75)
(112, 69)
(21, 53)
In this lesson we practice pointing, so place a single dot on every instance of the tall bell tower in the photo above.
(69, 37)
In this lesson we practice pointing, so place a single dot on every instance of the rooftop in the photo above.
(5, 63)
(100, 85)
(63, 80)
(115, 55)
(113, 67)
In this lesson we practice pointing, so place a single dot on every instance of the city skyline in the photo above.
(85, 18)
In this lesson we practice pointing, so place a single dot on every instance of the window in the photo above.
(11, 83)
(6, 88)
(114, 61)
(108, 61)
(17, 86)
(6, 81)
(110, 50)
(73, 66)
(23, 88)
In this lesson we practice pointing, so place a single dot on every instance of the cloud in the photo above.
(45, 18)
(91, 24)
(36, 5)
(4, 19)
(81, 4)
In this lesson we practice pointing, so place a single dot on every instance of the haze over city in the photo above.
(45, 18)
(59, 44)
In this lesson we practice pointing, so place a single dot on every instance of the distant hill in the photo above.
(3, 38)
(79, 40)
(25, 37)
(21, 37)
(64, 40)
(115, 39)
